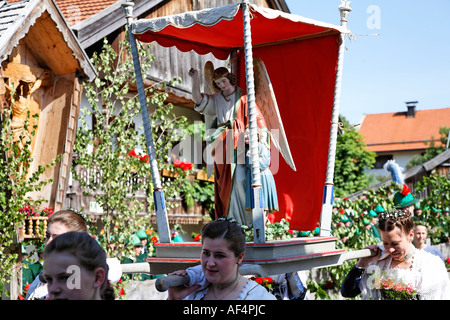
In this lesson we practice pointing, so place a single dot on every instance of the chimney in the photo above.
(411, 105)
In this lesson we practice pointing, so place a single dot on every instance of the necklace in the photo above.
(221, 286)
(408, 256)
(232, 284)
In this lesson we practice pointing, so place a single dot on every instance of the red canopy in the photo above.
(300, 56)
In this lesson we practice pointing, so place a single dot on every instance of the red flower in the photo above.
(406, 190)
(185, 166)
(144, 158)
(49, 211)
(268, 280)
(28, 211)
(154, 239)
(342, 211)
(132, 153)
(197, 237)
(121, 292)
(345, 199)
(259, 280)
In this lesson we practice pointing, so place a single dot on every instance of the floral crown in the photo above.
(78, 213)
(394, 214)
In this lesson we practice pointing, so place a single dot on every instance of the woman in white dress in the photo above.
(218, 278)
(397, 263)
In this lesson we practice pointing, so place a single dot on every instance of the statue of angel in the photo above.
(224, 106)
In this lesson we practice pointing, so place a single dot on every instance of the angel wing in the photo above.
(267, 103)
(208, 88)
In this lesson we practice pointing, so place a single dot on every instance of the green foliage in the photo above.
(356, 236)
(273, 231)
(107, 148)
(203, 191)
(438, 199)
(352, 158)
(432, 150)
(200, 190)
(353, 237)
(16, 182)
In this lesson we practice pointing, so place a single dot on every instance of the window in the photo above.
(381, 160)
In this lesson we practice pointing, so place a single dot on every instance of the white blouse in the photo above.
(251, 291)
(428, 276)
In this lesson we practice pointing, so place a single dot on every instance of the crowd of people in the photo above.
(403, 266)
(76, 267)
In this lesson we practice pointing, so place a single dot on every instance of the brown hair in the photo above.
(87, 250)
(229, 230)
(73, 221)
(223, 72)
(400, 218)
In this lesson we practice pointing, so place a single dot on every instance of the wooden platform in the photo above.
(262, 259)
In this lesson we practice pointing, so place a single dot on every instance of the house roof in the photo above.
(387, 132)
(76, 11)
(95, 19)
(27, 20)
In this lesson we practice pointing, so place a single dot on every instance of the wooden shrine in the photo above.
(41, 73)
(38, 50)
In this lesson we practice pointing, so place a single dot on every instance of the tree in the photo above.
(352, 158)
(432, 150)
(111, 148)
(437, 201)
(16, 182)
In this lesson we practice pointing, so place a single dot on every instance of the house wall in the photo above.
(57, 107)
(169, 63)
(402, 158)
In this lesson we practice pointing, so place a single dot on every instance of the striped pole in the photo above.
(256, 190)
(327, 202)
(158, 194)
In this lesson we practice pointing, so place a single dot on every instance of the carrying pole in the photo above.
(327, 203)
(158, 194)
(256, 190)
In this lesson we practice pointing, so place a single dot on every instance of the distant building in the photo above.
(402, 135)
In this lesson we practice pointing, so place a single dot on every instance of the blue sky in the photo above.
(408, 61)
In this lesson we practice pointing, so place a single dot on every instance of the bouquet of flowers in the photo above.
(392, 289)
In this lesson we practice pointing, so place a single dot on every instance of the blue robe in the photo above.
(269, 191)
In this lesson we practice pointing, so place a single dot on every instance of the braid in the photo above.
(400, 218)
